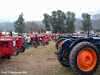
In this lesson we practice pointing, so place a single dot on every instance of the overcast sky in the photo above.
(34, 9)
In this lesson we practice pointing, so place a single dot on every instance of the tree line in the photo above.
(62, 22)
(58, 21)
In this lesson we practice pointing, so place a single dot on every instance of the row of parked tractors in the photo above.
(38, 39)
(81, 54)
(12, 45)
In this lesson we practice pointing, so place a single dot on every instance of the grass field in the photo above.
(35, 61)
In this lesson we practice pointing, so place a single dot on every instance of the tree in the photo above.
(58, 21)
(70, 19)
(19, 24)
(47, 22)
(54, 21)
(87, 26)
(61, 21)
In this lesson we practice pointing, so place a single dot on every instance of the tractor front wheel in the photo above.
(84, 58)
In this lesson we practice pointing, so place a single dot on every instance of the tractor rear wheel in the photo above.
(62, 57)
(9, 57)
(59, 41)
(16, 53)
(22, 49)
(84, 58)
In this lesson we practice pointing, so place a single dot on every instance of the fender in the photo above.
(66, 45)
(80, 40)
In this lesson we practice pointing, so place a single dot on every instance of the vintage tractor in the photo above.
(6, 47)
(79, 53)
(35, 40)
(60, 41)
(45, 39)
(19, 44)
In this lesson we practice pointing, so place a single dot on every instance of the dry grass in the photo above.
(36, 61)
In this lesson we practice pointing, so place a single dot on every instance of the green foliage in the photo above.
(70, 17)
(47, 22)
(59, 21)
(87, 26)
(19, 24)
(54, 21)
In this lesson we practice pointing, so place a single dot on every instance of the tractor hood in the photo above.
(4, 38)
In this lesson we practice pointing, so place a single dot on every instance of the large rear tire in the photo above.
(59, 41)
(22, 49)
(9, 57)
(62, 57)
(84, 58)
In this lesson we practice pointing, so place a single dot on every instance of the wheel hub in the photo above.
(86, 59)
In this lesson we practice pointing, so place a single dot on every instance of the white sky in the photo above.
(34, 9)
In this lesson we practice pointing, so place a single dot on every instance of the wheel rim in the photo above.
(86, 59)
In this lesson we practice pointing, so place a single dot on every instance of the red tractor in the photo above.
(6, 47)
(45, 40)
(19, 44)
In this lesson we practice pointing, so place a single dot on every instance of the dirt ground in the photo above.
(35, 61)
